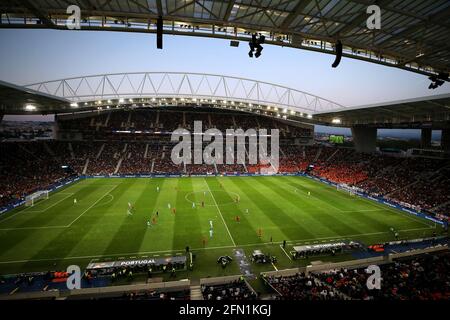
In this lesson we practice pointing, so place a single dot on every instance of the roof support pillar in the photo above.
(364, 139)
(445, 140)
(425, 138)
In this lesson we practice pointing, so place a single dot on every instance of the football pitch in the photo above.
(57, 232)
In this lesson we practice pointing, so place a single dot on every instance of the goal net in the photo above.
(347, 189)
(31, 199)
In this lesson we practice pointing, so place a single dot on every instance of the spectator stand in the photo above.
(227, 288)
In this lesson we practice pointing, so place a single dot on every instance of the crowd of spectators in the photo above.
(236, 290)
(301, 287)
(425, 277)
(420, 183)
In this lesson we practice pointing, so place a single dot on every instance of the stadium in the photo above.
(172, 185)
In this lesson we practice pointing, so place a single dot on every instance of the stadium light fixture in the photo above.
(121, 100)
(336, 121)
(74, 104)
(30, 107)
(309, 116)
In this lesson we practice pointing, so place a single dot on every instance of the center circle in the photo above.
(208, 193)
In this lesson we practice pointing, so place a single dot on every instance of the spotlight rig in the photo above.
(438, 80)
(255, 45)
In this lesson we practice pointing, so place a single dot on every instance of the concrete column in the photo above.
(56, 132)
(365, 139)
(445, 140)
(1, 117)
(425, 138)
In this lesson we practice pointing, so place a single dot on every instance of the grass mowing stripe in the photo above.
(34, 211)
(386, 207)
(220, 212)
(54, 204)
(208, 248)
(91, 206)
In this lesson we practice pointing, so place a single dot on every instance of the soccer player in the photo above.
(75, 201)
(203, 204)
(210, 233)
(246, 211)
(193, 205)
(174, 210)
(154, 220)
(309, 193)
(238, 219)
(210, 224)
(130, 209)
(259, 232)
(168, 206)
(148, 223)
(157, 213)
(157, 189)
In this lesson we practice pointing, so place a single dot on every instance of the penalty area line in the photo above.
(91, 206)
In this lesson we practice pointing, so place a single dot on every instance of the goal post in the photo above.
(31, 199)
(344, 187)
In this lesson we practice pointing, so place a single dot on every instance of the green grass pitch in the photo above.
(56, 232)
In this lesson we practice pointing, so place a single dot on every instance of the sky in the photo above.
(28, 56)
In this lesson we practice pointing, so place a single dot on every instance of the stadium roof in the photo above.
(413, 34)
(15, 99)
(175, 89)
(412, 113)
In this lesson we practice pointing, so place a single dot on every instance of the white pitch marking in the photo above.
(70, 224)
(36, 211)
(202, 248)
(220, 213)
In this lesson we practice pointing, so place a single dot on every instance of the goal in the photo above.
(31, 199)
(344, 187)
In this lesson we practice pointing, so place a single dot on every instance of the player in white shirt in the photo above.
(210, 233)
(75, 201)
(193, 205)
(210, 224)
(168, 205)
(157, 189)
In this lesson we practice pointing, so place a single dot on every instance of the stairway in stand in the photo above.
(196, 293)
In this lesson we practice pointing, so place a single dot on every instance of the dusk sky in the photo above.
(28, 56)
